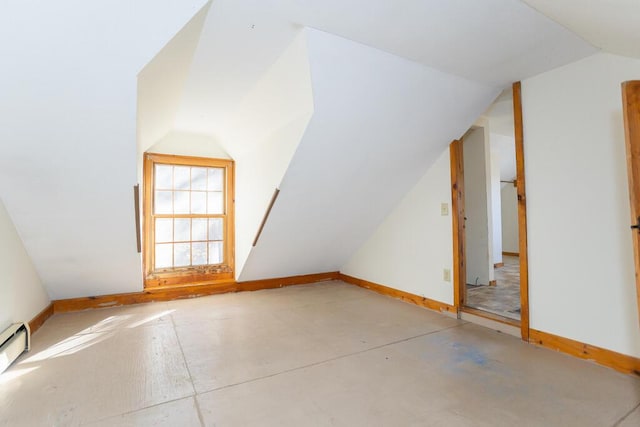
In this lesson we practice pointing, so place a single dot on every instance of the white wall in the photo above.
(509, 208)
(161, 84)
(379, 122)
(22, 295)
(477, 201)
(189, 144)
(496, 211)
(412, 246)
(265, 132)
(68, 107)
(581, 271)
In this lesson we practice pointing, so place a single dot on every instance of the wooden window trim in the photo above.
(182, 276)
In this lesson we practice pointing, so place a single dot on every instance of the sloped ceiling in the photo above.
(69, 106)
(379, 122)
(489, 41)
(611, 25)
(68, 132)
(493, 42)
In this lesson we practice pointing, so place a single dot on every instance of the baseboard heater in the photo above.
(15, 340)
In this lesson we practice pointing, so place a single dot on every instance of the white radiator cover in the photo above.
(13, 342)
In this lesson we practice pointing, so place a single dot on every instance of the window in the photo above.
(188, 220)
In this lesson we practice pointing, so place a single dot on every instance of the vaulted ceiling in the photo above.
(69, 110)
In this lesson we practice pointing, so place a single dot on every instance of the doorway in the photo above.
(489, 216)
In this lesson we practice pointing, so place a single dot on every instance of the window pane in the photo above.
(198, 202)
(199, 229)
(199, 179)
(181, 202)
(162, 202)
(164, 230)
(181, 254)
(164, 177)
(182, 232)
(214, 203)
(164, 255)
(215, 229)
(215, 253)
(199, 253)
(181, 177)
(216, 179)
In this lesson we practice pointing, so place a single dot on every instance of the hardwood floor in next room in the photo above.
(503, 298)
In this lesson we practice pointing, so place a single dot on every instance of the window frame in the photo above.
(189, 275)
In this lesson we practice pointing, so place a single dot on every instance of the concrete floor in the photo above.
(313, 355)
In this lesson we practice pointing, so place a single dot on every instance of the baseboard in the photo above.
(493, 282)
(618, 361)
(498, 265)
(402, 295)
(510, 253)
(40, 318)
(181, 292)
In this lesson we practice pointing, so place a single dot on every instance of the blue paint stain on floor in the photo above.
(469, 353)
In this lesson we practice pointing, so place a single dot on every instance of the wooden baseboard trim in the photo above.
(510, 254)
(498, 265)
(402, 295)
(41, 317)
(188, 291)
(618, 361)
(493, 282)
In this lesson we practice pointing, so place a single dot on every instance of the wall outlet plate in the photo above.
(444, 209)
(446, 275)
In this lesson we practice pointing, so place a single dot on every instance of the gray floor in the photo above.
(313, 355)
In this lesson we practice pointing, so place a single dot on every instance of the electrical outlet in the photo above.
(446, 276)
(444, 209)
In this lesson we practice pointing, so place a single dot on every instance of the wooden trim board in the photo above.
(457, 215)
(510, 254)
(188, 291)
(398, 294)
(40, 318)
(498, 265)
(631, 110)
(522, 211)
(618, 361)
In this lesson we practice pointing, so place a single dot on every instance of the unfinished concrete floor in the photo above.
(312, 355)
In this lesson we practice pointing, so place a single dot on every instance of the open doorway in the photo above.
(489, 215)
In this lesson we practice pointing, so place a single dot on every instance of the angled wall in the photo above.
(379, 122)
(69, 125)
(412, 246)
(161, 85)
(267, 128)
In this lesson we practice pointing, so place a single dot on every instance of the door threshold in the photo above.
(492, 321)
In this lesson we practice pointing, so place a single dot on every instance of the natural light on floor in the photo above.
(92, 335)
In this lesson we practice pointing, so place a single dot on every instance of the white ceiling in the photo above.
(68, 86)
(611, 25)
(493, 42)
(490, 41)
